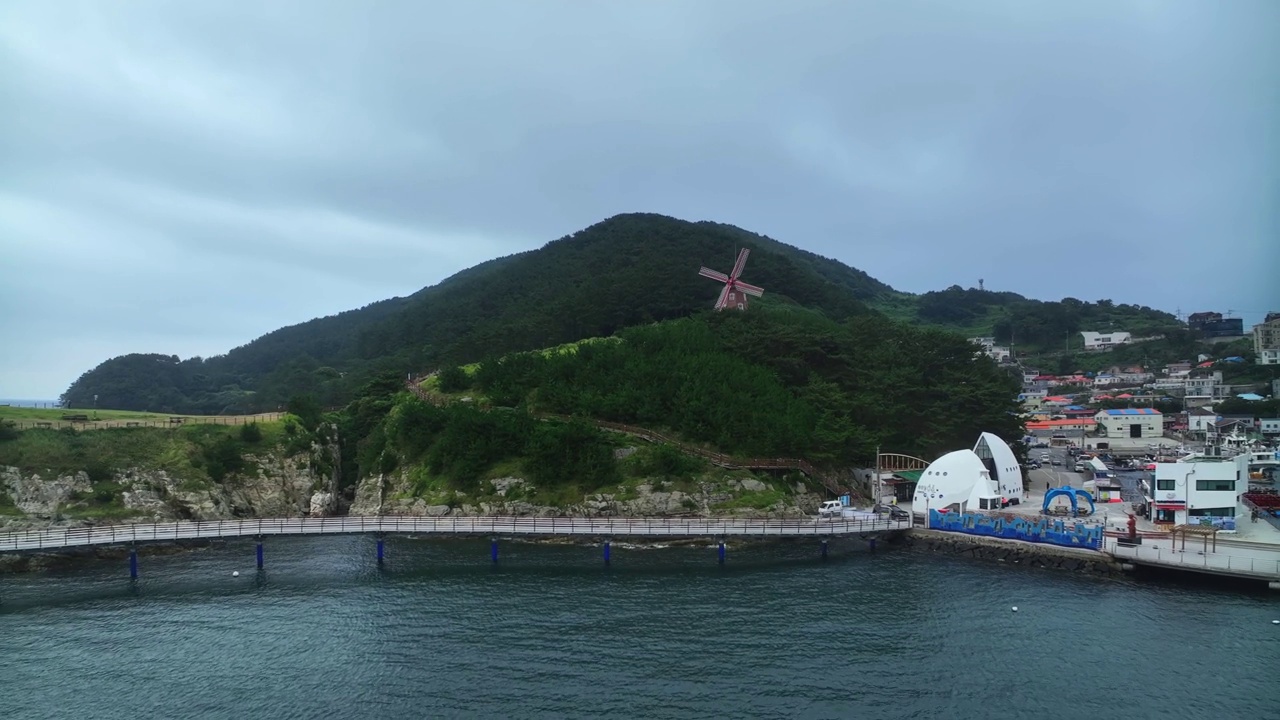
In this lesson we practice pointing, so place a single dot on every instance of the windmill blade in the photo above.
(723, 294)
(748, 288)
(713, 274)
(737, 266)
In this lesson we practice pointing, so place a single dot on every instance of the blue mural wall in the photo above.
(1038, 530)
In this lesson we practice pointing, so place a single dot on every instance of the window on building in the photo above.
(1213, 512)
(1166, 484)
(1214, 485)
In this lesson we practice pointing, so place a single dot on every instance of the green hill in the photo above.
(625, 271)
(777, 382)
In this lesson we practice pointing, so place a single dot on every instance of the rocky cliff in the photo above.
(718, 493)
(272, 485)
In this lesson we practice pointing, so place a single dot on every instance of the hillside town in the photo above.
(1190, 448)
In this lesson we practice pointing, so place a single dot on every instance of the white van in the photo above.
(830, 508)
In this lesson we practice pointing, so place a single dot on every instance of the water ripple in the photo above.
(439, 632)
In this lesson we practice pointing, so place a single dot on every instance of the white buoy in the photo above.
(1015, 608)
(236, 573)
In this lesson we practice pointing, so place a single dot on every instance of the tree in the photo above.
(307, 409)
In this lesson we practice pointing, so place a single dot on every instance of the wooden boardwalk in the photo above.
(55, 538)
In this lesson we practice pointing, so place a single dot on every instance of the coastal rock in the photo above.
(503, 484)
(146, 501)
(370, 492)
(321, 504)
(39, 495)
(753, 485)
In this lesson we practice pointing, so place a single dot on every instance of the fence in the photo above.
(52, 538)
(1261, 567)
(1037, 530)
(171, 422)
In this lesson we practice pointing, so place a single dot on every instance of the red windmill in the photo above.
(735, 292)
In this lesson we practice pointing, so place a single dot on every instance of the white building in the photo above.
(1130, 423)
(1266, 340)
(1104, 341)
(1206, 390)
(968, 480)
(1200, 489)
(999, 353)
(1201, 420)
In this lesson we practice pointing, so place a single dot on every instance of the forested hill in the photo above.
(625, 271)
(778, 381)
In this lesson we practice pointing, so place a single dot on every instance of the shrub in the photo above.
(251, 433)
(453, 379)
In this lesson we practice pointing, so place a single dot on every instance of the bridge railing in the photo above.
(51, 538)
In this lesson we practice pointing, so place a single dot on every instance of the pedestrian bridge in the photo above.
(55, 538)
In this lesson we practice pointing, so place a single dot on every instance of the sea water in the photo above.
(551, 632)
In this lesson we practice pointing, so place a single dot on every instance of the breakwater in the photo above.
(993, 549)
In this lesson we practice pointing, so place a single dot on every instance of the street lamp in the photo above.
(95, 407)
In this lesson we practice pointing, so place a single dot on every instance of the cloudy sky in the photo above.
(181, 177)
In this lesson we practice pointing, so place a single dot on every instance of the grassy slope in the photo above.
(636, 471)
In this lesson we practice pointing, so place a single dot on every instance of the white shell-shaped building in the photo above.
(958, 481)
(1000, 462)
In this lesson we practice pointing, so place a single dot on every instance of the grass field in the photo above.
(25, 414)
(25, 417)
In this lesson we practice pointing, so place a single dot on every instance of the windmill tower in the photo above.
(735, 292)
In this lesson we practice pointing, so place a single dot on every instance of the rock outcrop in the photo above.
(40, 495)
(274, 485)
(393, 495)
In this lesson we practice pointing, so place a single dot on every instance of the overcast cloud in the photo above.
(181, 177)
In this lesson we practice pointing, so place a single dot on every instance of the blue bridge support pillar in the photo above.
(493, 551)
(872, 543)
(381, 548)
(606, 552)
(824, 549)
(259, 552)
(720, 552)
(133, 562)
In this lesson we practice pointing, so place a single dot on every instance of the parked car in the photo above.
(830, 508)
(895, 512)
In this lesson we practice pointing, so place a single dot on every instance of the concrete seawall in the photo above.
(1013, 552)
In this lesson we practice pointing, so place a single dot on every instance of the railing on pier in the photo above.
(1214, 562)
(53, 538)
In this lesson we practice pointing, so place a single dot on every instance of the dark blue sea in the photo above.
(551, 632)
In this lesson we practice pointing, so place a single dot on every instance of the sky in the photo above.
(182, 177)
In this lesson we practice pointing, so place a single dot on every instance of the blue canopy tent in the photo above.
(1071, 494)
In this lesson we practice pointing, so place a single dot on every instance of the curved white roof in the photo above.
(959, 477)
(1008, 474)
